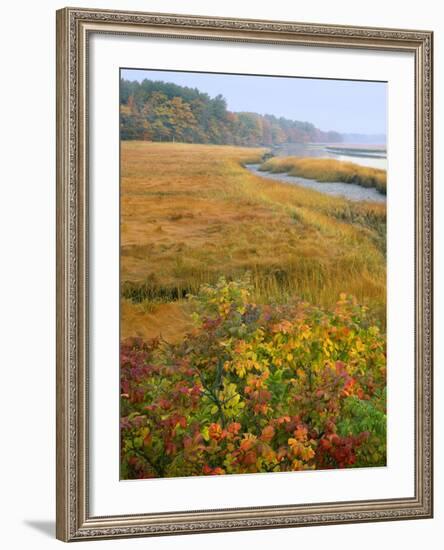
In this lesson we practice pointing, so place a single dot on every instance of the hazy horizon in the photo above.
(345, 106)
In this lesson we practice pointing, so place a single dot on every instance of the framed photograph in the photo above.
(244, 317)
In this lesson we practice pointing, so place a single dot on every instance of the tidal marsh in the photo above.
(191, 213)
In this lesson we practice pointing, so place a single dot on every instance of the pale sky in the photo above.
(343, 105)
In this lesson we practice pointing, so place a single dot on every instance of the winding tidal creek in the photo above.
(350, 191)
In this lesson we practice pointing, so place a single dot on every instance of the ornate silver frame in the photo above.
(74, 521)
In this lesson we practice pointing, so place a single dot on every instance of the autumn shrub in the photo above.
(251, 388)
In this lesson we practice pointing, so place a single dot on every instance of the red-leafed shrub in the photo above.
(255, 389)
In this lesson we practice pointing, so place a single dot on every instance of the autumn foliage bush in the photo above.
(255, 388)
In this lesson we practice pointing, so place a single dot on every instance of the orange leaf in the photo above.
(267, 433)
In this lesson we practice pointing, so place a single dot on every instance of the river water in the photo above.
(374, 156)
(350, 191)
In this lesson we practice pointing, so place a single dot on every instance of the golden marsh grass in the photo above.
(190, 213)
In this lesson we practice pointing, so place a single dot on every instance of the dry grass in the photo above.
(328, 170)
(147, 320)
(190, 213)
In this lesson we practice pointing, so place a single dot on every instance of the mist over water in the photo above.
(371, 155)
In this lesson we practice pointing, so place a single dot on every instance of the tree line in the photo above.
(162, 111)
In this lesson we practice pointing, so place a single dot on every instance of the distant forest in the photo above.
(162, 111)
